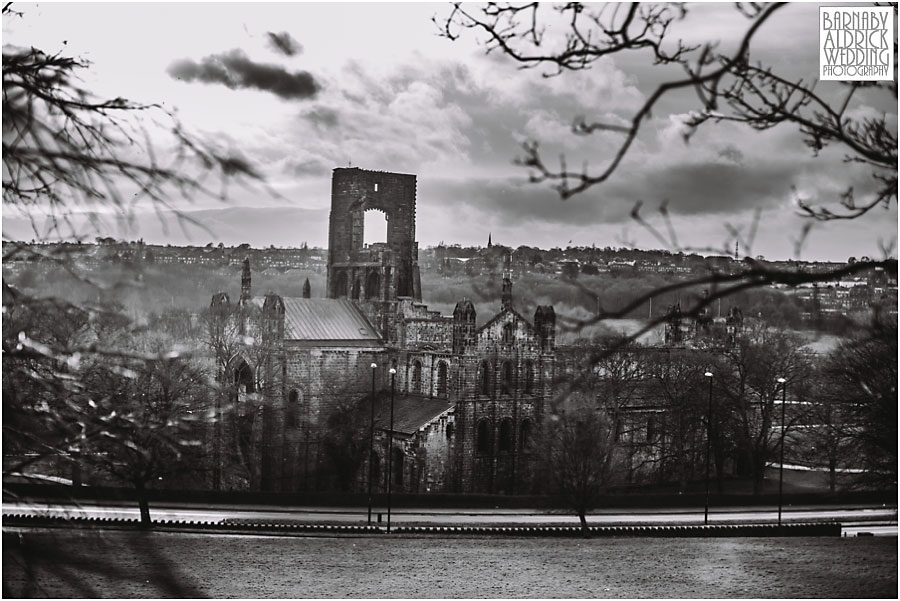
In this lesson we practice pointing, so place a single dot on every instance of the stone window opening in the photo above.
(340, 286)
(485, 378)
(529, 377)
(376, 187)
(525, 435)
(442, 378)
(483, 441)
(508, 333)
(373, 285)
(375, 227)
(449, 431)
(290, 418)
(506, 435)
(416, 385)
(507, 377)
(244, 384)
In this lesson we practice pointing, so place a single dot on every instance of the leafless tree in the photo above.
(829, 432)
(141, 421)
(585, 424)
(675, 378)
(66, 151)
(862, 373)
(747, 384)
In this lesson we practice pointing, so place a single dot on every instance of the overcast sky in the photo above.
(300, 89)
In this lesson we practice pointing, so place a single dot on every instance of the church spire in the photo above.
(306, 289)
(489, 240)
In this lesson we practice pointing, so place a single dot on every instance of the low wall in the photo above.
(711, 530)
(621, 500)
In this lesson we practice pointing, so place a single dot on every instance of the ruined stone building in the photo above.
(467, 400)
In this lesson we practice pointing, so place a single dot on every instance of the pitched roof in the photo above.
(411, 412)
(503, 312)
(325, 319)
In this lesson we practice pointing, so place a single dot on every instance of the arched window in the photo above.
(290, 415)
(244, 384)
(356, 289)
(506, 377)
(506, 435)
(375, 226)
(340, 285)
(483, 441)
(442, 378)
(525, 435)
(508, 330)
(529, 377)
(449, 431)
(373, 282)
(397, 467)
(416, 385)
(484, 376)
(243, 378)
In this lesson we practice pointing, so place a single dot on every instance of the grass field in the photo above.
(123, 564)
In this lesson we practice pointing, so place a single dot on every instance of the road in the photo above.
(877, 520)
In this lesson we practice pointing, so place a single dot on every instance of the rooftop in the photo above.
(324, 319)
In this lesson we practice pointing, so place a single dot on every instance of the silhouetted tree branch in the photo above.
(728, 87)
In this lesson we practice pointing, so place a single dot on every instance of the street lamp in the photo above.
(783, 383)
(708, 441)
(393, 373)
(371, 441)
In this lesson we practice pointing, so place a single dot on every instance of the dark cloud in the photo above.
(732, 153)
(309, 167)
(234, 70)
(322, 116)
(284, 43)
(716, 188)
(514, 203)
(691, 189)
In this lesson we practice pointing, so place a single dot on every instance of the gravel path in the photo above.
(106, 564)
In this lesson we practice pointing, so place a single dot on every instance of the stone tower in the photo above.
(377, 275)
(381, 272)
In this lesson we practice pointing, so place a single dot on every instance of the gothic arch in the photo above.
(529, 376)
(484, 440)
(373, 285)
(340, 284)
(484, 378)
(416, 384)
(506, 377)
(295, 398)
(506, 435)
(442, 378)
(526, 434)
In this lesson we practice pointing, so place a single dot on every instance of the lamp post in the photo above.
(783, 383)
(708, 442)
(393, 373)
(371, 442)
